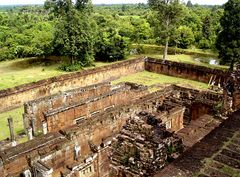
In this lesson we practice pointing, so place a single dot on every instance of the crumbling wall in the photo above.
(143, 146)
(236, 100)
(198, 110)
(14, 97)
(66, 116)
(35, 109)
(236, 93)
(186, 71)
(20, 158)
(57, 150)
(83, 148)
(66, 109)
(196, 102)
(91, 137)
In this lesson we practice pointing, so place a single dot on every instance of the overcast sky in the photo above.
(10, 2)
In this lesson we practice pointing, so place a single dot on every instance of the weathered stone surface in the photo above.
(193, 72)
(87, 120)
(14, 97)
(144, 146)
(211, 147)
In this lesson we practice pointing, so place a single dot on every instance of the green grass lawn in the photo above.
(17, 72)
(153, 47)
(189, 59)
(21, 71)
(16, 114)
(145, 78)
(150, 79)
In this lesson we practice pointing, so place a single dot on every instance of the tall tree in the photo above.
(189, 4)
(169, 12)
(110, 45)
(73, 37)
(206, 29)
(228, 41)
(184, 37)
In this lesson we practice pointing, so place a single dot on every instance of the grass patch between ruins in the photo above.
(16, 114)
(151, 79)
(145, 78)
(188, 59)
(22, 71)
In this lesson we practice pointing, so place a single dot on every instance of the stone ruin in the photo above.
(106, 130)
(236, 93)
(232, 90)
(64, 109)
(148, 122)
(143, 147)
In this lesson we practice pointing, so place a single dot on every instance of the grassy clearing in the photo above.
(152, 47)
(17, 72)
(190, 56)
(21, 71)
(150, 79)
(188, 59)
(16, 114)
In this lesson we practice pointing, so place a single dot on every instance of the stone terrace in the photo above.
(218, 154)
(82, 149)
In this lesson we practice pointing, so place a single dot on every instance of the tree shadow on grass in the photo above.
(34, 62)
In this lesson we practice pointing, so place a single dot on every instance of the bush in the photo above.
(69, 67)
(111, 46)
(204, 44)
(6, 53)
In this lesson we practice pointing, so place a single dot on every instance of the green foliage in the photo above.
(69, 67)
(73, 36)
(141, 30)
(170, 12)
(35, 31)
(206, 30)
(25, 34)
(110, 46)
(228, 41)
(184, 37)
(205, 25)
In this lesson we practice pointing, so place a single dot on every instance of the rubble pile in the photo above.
(144, 146)
(236, 77)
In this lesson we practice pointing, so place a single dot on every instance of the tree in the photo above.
(228, 41)
(189, 4)
(110, 45)
(206, 29)
(184, 37)
(170, 12)
(74, 36)
(142, 30)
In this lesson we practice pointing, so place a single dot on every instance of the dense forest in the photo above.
(85, 32)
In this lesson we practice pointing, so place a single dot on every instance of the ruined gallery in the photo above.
(83, 125)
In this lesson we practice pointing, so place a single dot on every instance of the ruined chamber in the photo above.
(120, 130)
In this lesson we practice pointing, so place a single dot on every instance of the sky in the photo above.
(10, 2)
